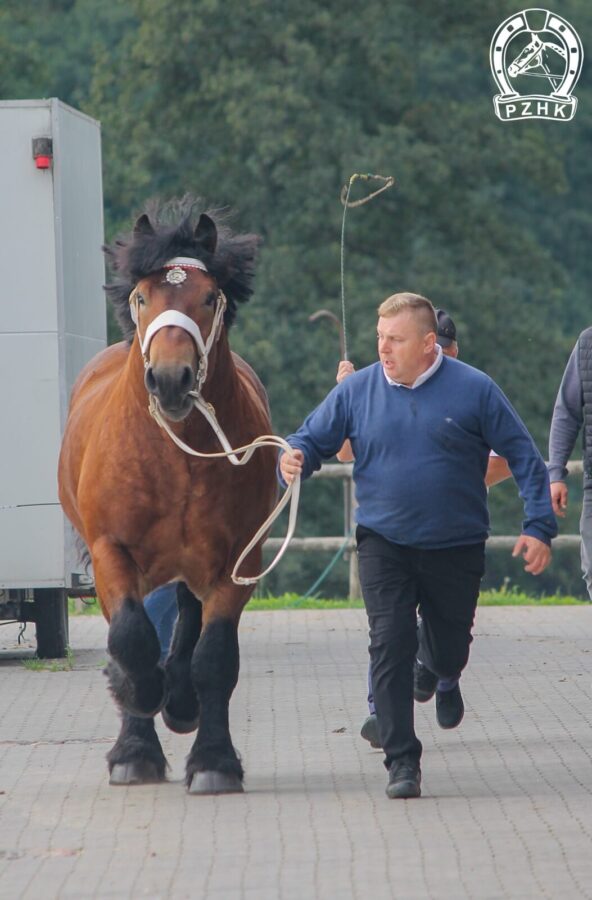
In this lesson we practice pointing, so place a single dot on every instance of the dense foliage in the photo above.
(269, 108)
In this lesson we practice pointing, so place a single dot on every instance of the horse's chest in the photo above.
(190, 492)
(218, 493)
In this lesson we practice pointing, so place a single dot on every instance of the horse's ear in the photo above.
(143, 225)
(205, 233)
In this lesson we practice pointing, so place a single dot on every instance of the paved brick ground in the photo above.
(506, 808)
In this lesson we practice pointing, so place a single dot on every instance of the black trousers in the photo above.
(396, 581)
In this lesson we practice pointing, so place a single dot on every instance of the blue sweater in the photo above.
(421, 454)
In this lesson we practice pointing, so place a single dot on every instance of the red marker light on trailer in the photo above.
(43, 152)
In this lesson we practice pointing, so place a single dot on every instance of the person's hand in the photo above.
(291, 465)
(537, 554)
(559, 497)
(344, 369)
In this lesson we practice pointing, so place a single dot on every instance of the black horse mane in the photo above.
(168, 230)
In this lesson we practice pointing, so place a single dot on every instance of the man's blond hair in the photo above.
(422, 309)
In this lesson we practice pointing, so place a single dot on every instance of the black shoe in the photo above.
(404, 779)
(450, 708)
(424, 682)
(369, 731)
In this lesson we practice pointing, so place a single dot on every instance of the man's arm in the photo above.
(318, 438)
(507, 435)
(566, 422)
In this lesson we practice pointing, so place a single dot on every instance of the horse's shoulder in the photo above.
(103, 365)
(247, 375)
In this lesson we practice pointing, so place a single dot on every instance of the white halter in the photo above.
(180, 320)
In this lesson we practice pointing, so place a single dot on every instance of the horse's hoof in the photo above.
(135, 773)
(215, 783)
(179, 726)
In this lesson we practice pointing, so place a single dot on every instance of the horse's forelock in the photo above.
(136, 255)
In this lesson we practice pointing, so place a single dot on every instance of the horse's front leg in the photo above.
(137, 756)
(136, 679)
(213, 766)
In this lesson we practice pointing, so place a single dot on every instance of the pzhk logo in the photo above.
(536, 43)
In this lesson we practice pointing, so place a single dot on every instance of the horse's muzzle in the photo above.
(171, 385)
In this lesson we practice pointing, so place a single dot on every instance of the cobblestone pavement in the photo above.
(506, 810)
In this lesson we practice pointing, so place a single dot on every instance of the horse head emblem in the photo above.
(536, 43)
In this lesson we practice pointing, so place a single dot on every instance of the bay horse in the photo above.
(148, 513)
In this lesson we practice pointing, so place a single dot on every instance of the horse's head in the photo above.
(180, 300)
(179, 313)
(527, 58)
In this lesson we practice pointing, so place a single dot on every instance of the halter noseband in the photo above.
(176, 274)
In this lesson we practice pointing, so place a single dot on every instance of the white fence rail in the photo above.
(344, 472)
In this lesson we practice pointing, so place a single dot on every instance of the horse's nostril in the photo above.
(186, 382)
(171, 386)
(150, 380)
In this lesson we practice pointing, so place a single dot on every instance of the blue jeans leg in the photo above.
(161, 607)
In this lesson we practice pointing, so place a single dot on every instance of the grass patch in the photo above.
(513, 597)
(295, 601)
(503, 597)
(87, 606)
(51, 665)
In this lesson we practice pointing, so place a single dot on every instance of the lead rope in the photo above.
(387, 182)
(265, 440)
(172, 317)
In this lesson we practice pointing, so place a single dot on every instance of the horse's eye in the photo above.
(210, 299)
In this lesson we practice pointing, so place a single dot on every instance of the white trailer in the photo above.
(52, 321)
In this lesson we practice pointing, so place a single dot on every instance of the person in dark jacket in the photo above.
(573, 413)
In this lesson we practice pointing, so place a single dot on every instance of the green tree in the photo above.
(269, 108)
